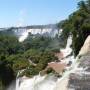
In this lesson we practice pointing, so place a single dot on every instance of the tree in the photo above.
(78, 24)
(6, 73)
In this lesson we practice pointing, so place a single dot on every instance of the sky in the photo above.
(34, 12)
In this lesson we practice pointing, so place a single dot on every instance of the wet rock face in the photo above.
(79, 82)
(80, 79)
(85, 61)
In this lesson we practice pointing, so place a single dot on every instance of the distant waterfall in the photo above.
(23, 36)
(46, 30)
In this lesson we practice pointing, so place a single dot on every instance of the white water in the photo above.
(37, 83)
(68, 49)
(24, 33)
(47, 82)
(23, 36)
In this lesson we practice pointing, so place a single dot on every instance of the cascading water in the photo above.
(42, 30)
(23, 36)
(67, 50)
(38, 83)
(49, 82)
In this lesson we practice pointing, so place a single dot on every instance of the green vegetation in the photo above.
(78, 24)
(41, 43)
(32, 56)
(39, 61)
(36, 51)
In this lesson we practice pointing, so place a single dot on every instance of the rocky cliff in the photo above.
(80, 79)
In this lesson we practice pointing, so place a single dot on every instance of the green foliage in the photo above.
(32, 56)
(37, 51)
(78, 24)
(9, 45)
(6, 73)
(41, 59)
(41, 43)
(18, 62)
(66, 26)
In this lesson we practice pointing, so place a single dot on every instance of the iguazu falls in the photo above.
(45, 45)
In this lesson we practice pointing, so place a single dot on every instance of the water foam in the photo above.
(47, 82)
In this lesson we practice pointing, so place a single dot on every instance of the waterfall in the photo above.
(23, 36)
(37, 83)
(49, 82)
(68, 49)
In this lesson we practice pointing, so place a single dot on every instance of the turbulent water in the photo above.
(48, 82)
(37, 83)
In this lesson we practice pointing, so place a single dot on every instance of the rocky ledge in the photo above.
(80, 79)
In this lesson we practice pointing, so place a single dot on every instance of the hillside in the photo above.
(40, 57)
